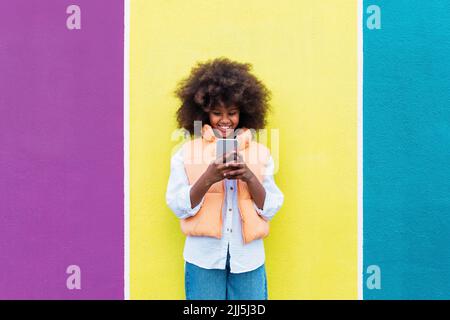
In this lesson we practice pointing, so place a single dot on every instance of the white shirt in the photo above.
(209, 252)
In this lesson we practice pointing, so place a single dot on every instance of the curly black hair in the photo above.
(222, 82)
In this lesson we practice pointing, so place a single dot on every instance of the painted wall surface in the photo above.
(61, 143)
(306, 53)
(61, 154)
(407, 150)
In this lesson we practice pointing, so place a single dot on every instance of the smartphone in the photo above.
(224, 146)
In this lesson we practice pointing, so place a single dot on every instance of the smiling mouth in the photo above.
(225, 130)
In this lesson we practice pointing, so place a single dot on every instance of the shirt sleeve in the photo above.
(178, 189)
(274, 197)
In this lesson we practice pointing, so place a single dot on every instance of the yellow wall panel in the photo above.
(306, 53)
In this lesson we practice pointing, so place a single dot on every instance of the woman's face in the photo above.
(225, 120)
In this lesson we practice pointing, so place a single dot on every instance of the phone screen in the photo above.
(224, 146)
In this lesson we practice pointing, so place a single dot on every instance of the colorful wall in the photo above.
(359, 130)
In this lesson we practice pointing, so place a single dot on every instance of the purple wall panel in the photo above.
(61, 149)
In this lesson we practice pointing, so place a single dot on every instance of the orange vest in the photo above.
(198, 154)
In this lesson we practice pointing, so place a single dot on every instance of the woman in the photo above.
(224, 208)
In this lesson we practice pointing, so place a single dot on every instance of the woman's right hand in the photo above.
(216, 171)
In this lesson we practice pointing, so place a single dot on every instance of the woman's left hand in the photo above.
(239, 170)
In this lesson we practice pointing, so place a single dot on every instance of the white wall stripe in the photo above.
(360, 29)
(126, 149)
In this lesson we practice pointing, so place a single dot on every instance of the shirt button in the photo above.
(230, 209)
(231, 188)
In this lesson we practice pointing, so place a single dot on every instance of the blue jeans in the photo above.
(217, 284)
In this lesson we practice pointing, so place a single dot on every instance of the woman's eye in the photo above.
(216, 113)
(232, 113)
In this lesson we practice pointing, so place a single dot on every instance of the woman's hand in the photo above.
(218, 169)
(239, 170)
(215, 172)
